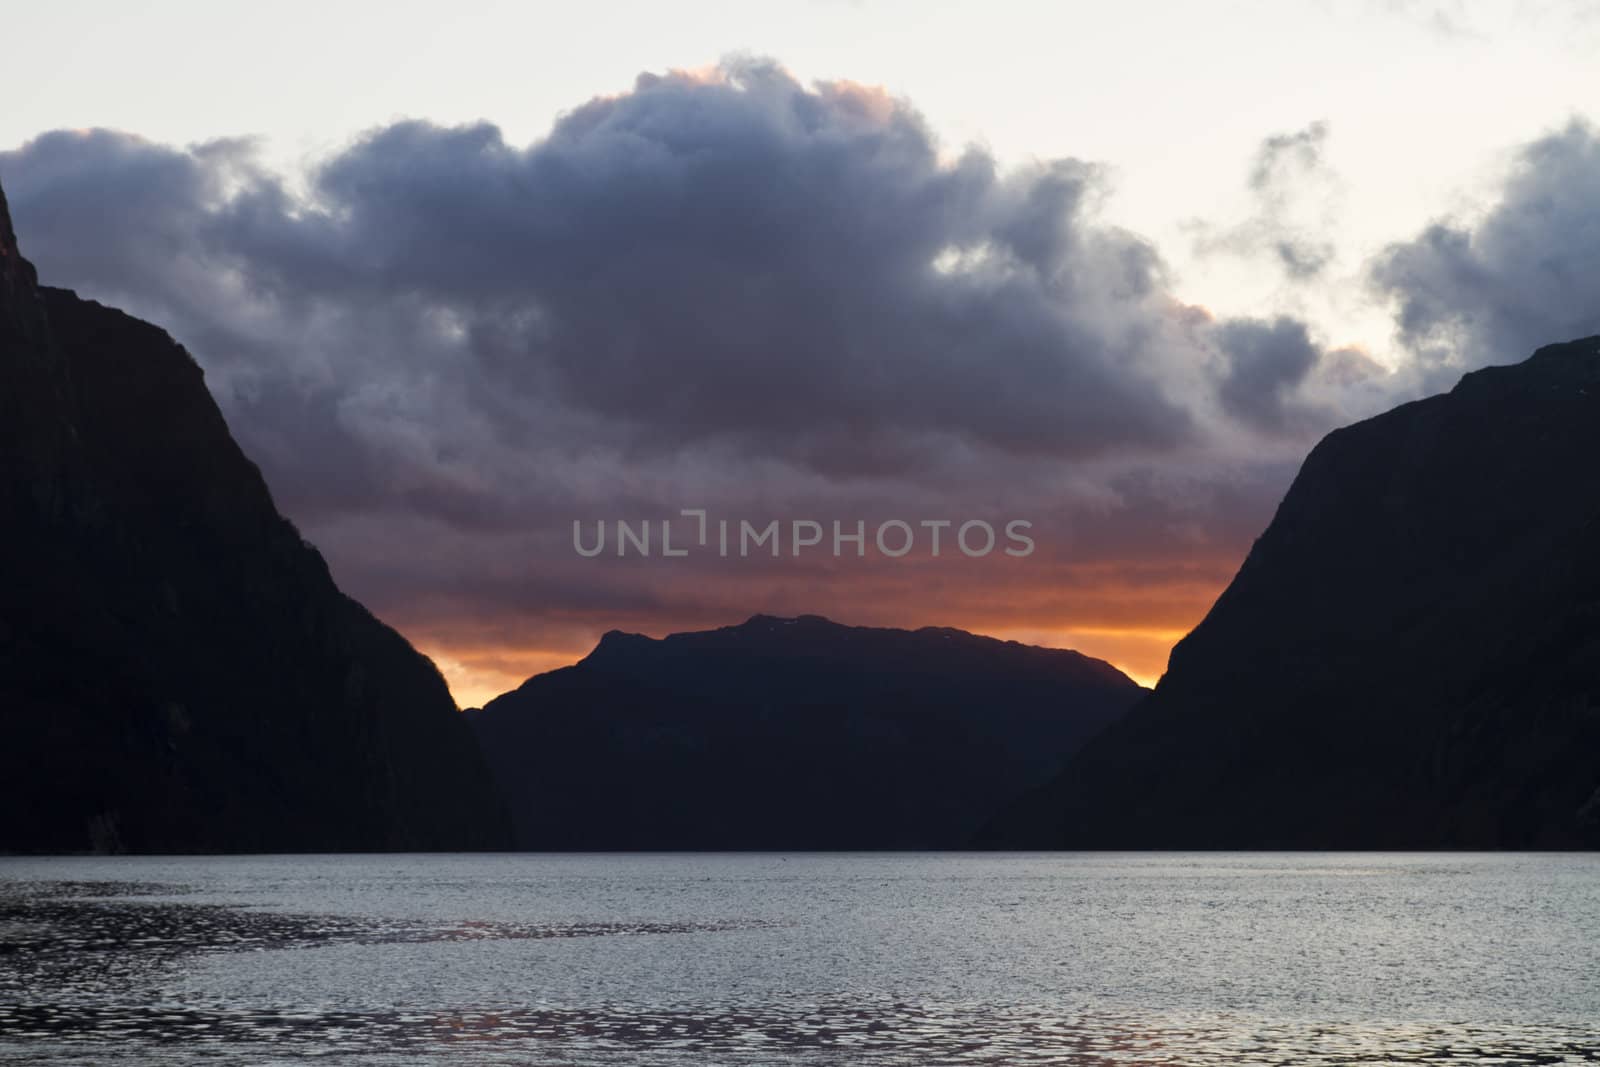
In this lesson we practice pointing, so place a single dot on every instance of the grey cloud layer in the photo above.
(739, 292)
(1526, 275)
(1263, 366)
(741, 259)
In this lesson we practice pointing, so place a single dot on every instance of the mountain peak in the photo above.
(1566, 350)
(11, 261)
(614, 640)
(1571, 364)
(21, 315)
(789, 733)
(760, 621)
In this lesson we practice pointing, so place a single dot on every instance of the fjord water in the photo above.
(808, 959)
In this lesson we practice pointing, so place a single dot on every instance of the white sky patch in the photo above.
(962, 260)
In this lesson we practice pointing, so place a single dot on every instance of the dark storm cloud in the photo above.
(1288, 168)
(116, 215)
(737, 258)
(1261, 370)
(747, 259)
(1527, 274)
(736, 292)
(727, 291)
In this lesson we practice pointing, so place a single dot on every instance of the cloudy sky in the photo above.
(461, 276)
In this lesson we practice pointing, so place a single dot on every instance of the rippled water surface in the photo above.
(804, 959)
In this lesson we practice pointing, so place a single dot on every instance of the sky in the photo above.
(462, 277)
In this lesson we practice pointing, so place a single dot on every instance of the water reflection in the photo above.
(82, 967)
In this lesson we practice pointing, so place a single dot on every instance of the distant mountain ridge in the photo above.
(1409, 657)
(178, 671)
(789, 734)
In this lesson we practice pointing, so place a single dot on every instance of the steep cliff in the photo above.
(178, 671)
(1408, 658)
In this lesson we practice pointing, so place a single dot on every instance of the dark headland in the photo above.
(1408, 658)
(178, 672)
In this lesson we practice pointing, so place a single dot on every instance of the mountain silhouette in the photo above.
(178, 671)
(1408, 658)
(789, 734)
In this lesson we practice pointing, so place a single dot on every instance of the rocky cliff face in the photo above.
(178, 672)
(17, 302)
(21, 316)
(1409, 657)
(789, 734)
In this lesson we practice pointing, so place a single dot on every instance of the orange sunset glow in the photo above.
(1129, 622)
